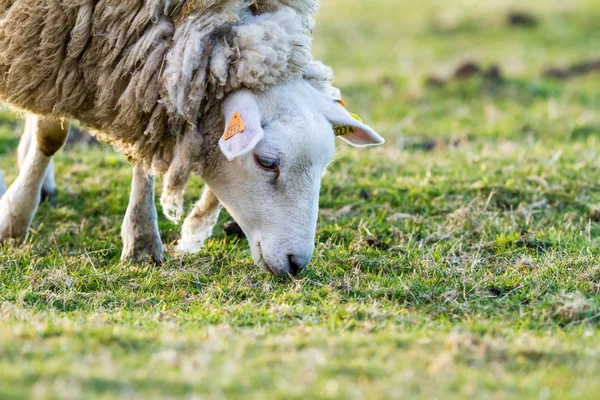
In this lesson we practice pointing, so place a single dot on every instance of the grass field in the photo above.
(460, 260)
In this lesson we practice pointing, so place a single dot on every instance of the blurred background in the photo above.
(453, 70)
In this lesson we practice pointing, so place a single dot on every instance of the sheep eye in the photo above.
(268, 163)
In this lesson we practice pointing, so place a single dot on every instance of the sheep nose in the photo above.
(297, 263)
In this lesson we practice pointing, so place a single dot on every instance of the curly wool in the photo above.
(142, 74)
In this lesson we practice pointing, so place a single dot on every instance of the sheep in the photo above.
(160, 80)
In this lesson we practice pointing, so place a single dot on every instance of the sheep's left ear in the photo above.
(243, 129)
(350, 127)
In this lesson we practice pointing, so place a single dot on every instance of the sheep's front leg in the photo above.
(19, 203)
(199, 224)
(139, 232)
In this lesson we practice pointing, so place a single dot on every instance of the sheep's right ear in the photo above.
(349, 127)
(243, 129)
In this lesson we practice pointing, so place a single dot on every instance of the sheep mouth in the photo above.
(262, 263)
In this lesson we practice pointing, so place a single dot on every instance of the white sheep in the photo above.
(161, 80)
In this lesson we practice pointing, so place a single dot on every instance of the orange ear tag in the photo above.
(236, 125)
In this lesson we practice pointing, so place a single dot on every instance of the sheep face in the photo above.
(268, 175)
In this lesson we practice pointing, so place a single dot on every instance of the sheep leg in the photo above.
(2, 185)
(19, 203)
(25, 142)
(49, 185)
(177, 177)
(199, 224)
(141, 239)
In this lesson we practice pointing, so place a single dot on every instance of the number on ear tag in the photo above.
(344, 130)
(236, 125)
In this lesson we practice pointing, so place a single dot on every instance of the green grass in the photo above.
(461, 260)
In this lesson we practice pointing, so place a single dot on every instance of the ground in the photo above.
(460, 260)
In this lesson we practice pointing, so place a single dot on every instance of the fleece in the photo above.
(144, 75)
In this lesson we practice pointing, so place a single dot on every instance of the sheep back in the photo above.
(141, 74)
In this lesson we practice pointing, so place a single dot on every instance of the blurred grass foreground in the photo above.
(458, 261)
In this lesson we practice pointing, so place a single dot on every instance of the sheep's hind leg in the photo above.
(48, 185)
(19, 203)
(139, 232)
(199, 224)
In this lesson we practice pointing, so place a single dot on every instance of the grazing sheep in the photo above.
(160, 79)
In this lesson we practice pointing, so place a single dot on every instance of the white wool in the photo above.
(142, 73)
(145, 74)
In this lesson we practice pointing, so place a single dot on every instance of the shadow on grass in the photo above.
(420, 201)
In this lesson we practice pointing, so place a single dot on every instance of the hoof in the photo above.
(189, 246)
(11, 226)
(8, 231)
(143, 252)
(193, 242)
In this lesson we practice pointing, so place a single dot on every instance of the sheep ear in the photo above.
(350, 127)
(243, 129)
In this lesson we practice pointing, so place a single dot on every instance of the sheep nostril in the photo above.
(296, 263)
(294, 266)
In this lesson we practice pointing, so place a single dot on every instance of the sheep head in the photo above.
(268, 171)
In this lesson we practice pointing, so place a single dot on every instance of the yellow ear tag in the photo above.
(236, 125)
(356, 117)
(344, 130)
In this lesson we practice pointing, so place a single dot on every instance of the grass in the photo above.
(458, 261)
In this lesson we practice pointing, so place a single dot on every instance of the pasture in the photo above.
(460, 260)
